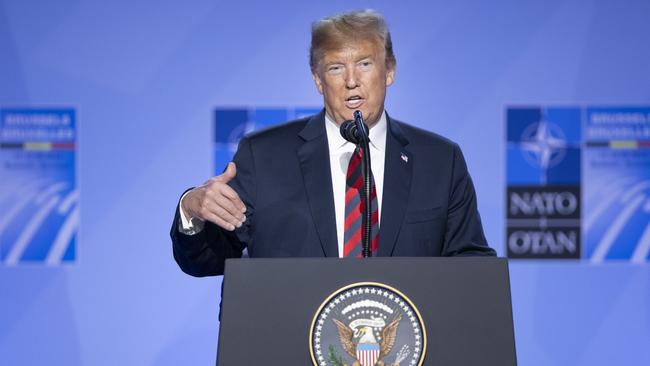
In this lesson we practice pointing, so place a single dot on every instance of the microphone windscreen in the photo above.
(349, 132)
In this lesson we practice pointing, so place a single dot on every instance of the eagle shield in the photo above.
(368, 353)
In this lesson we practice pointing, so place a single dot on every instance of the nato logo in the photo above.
(231, 124)
(543, 146)
(543, 177)
(39, 197)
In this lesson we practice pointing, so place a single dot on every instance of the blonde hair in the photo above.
(330, 33)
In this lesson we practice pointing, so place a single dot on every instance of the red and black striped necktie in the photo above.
(354, 205)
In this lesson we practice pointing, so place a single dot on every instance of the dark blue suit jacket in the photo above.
(284, 178)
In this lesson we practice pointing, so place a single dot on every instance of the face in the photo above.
(354, 77)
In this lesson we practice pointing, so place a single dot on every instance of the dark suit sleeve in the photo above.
(464, 233)
(205, 253)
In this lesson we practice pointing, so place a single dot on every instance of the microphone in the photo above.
(351, 132)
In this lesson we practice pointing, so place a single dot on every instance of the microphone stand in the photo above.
(366, 219)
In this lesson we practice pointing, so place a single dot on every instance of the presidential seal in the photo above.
(367, 324)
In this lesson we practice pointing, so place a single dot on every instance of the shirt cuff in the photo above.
(188, 225)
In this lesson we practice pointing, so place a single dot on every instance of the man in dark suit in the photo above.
(290, 192)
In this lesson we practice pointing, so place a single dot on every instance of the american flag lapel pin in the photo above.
(404, 157)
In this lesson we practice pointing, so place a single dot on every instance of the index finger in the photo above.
(230, 193)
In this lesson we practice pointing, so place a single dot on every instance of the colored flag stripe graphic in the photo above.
(621, 144)
(38, 146)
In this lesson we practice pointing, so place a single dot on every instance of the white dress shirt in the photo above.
(340, 152)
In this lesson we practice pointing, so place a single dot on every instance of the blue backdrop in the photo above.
(145, 78)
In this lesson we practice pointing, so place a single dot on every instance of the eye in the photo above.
(334, 69)
(365, 64)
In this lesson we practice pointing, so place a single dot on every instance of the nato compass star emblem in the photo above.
(543, 145)
(367, 324)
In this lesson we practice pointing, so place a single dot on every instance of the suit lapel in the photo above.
(397, 185)
(315, 166)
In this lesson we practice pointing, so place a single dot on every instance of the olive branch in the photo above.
(334, 357)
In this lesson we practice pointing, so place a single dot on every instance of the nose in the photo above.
(351, 80)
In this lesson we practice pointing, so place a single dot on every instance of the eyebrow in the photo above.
(337, 62)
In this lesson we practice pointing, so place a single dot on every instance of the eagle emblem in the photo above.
(367, 324)
(361, 343)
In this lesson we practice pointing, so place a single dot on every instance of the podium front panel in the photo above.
(269, 306)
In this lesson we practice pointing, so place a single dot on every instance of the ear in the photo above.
(318, 81)
(390, 75)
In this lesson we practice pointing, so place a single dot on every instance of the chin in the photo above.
(364, 114)
(349, 117)
(369, 117)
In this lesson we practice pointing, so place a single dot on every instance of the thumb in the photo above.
(231, 171)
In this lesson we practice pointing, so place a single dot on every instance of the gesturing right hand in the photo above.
(216, 202)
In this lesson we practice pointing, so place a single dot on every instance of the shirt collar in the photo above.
(377, 134)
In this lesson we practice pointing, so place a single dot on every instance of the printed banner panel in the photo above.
(617, 184)
(543, 183)
(578, 183)
(39, 197)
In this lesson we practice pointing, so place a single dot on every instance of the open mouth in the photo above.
(354, 101)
